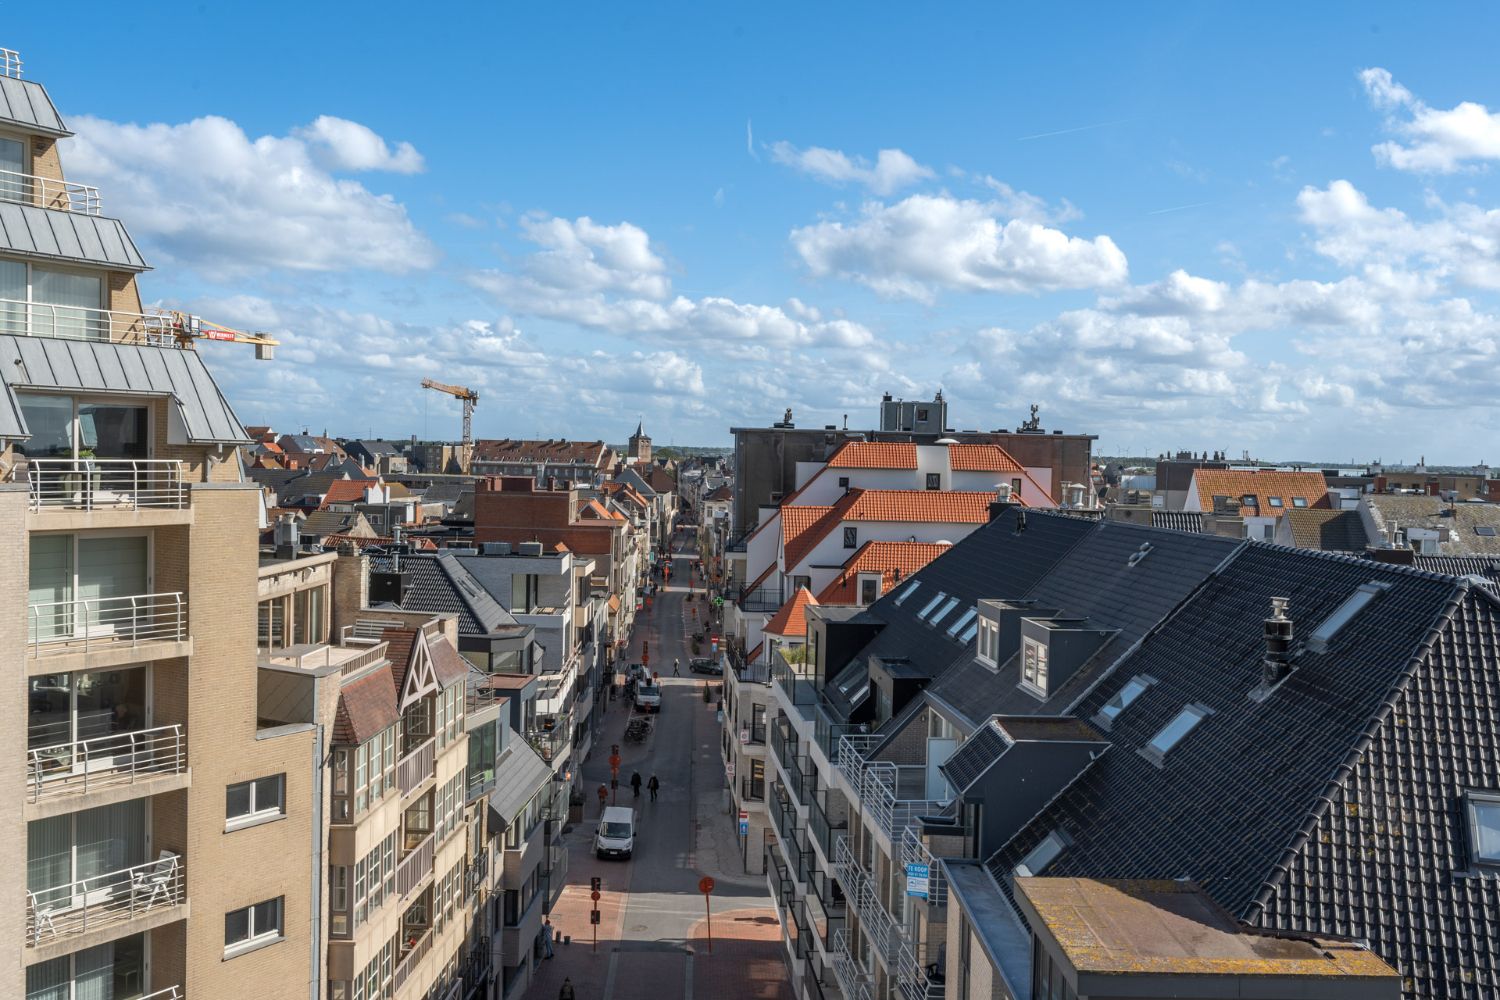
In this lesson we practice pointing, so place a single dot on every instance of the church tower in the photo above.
(640, 445)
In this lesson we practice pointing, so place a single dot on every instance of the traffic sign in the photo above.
(594, 895)
(705, 885)
(594, 917)
(744, 823)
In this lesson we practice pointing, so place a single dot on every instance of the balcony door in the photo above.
(48, 302)
(85, 721)
(80, 859)
(67, 427)
(113, 971)
(80, 584)
(13, 186)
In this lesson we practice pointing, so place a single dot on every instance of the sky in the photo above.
(1262, 228)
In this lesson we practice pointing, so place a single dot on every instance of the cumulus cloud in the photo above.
(1434, 140)
(609, 278)
(892, 170)
(340, 144)
(927, 243)
(206, 195)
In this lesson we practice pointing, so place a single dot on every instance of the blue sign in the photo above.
(744, 826)
(917, 877)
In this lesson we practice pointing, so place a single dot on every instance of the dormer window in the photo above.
(1172, 733)
(1034, 667)
(869, 588)
(1042, 855)
(1133, 689)
(989, 642)
(851, 537)
(906, 592)
(934, 480)
(1483, 809)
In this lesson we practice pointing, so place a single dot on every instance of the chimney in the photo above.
(1278, 628)
(287, 536)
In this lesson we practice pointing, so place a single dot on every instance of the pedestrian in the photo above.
(653, 786)
(676, 664)
(635, 783)
(603, 795)
(566, 993)
(547, 930)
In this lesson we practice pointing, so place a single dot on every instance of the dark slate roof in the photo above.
(975, 756)
(307, 488)
(276, 479)
(446, 491)
(1487, 567)
(322, 523)
(439, 583)
(53, 234)
(97, 366)
(376, 447)
(1233, 794)
(25, 103)
(1094, 579)
(1001, 559)
(1177, 520)
(1328, 530)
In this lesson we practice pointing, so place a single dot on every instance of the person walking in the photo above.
(653, 786)
(635, 783)
(603, 796)
(566, 993)
(547, 930)
(676, 665)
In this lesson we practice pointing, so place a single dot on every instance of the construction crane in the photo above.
(470, 399)
(186, 328)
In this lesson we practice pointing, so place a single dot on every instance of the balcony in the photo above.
(914, 852)
(784, 745)
(916, 981)
(761, 599)
(802, 780)
(101, 901)
(795, 680)
(416, 767)
(79, 626)
(105, 484)
(826, 830)
(41, 319)
(104, 761)
(880, 785)
(415, 865)
(169, 993)
(48, 192)
(410, 957)
(546, 742)
(880, 928)
(854, 981)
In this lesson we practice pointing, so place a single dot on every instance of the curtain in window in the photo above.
(13, 290)
(51, 582)
(49, 860)
(111, 567)
(93, 974)
(111, 838)
(48, 981)
(67, 305)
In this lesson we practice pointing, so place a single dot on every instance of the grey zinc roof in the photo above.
(439, 583)
(25, 103)
(95, 366)
(69, 236)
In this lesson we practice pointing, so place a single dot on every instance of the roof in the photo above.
(981, 458)
(1134, 927)
(791, 620)
(1177, 520)
(598, 511)
(346, 491)
(52, 234)
(721, 494)
(519, 774)
(321, 523)
(1263, 485)
(95, 366)
(440, 583)
(801, 529)
(559, 452)
(366, 707)
(1461, 520)
(371, 447)
(446, 491)
(662, 481)
(874, 455)
(894, 561)
(1328, 530)
(25, 103)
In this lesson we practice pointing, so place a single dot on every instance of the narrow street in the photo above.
(653, 938)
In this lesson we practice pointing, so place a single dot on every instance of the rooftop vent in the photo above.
(1278, 631)
(495, 548)
(530, 548)
(1140, 553)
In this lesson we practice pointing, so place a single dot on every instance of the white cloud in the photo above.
(925, 243)
(1436, 140)
(206, 195)
(340, 144)
(609, 278)
(892, 170)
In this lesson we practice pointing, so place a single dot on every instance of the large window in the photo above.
(1034, 667)
(252, 926)
(113, 970)
(251, 802)
(68, 857)
(80, 581)
(66, 708)
(47, 302)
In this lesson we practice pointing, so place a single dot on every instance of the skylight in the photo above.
(962, 620)
(1487, 530)
(969, 633)
(1484, 827)
(930, 605)
(1172, 733)
(910, 589)
(943, 611)
(1133, 689)
(1042, 855)
(1343, 614)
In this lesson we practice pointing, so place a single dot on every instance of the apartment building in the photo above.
(586, 463)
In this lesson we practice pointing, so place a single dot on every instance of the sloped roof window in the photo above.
(1173, 732)
(1042, 855)
(1133, 689)
(1343, 614)
(910, 589)
(930, 605)
(1299, 501)
(943, 611)
(961, 621)
(969, 633)
(1484, 827)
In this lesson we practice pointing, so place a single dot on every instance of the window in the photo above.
(869, 589)
(1274, 501)
(961, 621)
(989, 641)
(250, 802)
(1484, 827)
(1039, 857)
(1133, 689)
(1034, 666)
(1015, 486)
(843, 482)
(921, 415)
(63, 303)
(934, 480)
(1299, 502)
(82, 581)
(943, 611)
(1487, 530)
(1343, 614)
(851, 537)
(1172, 733)
(968, 634)
(253, 926)
(910, 589)
(1249, 500)
(930, 605)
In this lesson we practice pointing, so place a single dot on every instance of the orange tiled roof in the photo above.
(596, 509)
(792, 618)
(797, 527)
(1263, 485)
(981, 458)
(345, 491)
(894, 561)
(921, 505)
(874, 455)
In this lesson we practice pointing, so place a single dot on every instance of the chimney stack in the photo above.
(1277, 662)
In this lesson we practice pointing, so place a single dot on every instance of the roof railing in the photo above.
(10, 63)
(42, 319)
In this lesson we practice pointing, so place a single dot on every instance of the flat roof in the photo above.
(1125, 926)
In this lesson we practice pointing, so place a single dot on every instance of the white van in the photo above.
(616, 836)
(648, 697)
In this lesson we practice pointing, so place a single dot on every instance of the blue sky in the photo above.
(1208, 227)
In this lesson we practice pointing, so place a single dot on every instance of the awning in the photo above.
(519, 775)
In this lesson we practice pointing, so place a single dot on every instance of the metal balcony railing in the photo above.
(411, 958)
(761, 599)
(854, 981)
(416, 766)
(43, 319)
(795, 680)
(860, 890)
(415, 865)
(802, 780)
(784, 745)
(825, 830)
(104, 900)
(86, 623)
(105, 484)
(48, 192)
(169, 993)
(916, 981)
(118, 758)
(914, 852)
(875, 782)
(10, 63)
